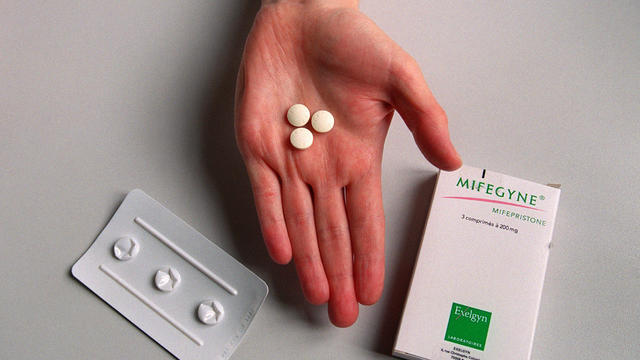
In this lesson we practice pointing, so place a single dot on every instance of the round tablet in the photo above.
(322, 121)
(167, 279)
(298, 115)
(210, 312)
(301, 138)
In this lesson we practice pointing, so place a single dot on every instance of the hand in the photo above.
(323, 205)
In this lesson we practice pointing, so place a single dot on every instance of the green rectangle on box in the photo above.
(468, 326)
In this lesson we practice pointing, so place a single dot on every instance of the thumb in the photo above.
(422, 114)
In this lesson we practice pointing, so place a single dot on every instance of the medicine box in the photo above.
(478, 277)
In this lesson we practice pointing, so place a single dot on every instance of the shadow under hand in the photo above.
(397, 287)
(225, 170)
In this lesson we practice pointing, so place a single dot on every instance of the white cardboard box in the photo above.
(478, 278)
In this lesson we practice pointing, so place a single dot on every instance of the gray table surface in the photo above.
(98, 98)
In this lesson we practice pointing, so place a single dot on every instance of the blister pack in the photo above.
(170, 281)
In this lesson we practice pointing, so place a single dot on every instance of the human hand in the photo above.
(323, 205)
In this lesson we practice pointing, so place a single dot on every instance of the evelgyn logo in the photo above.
(468, 326)
(468, 313)
(499, 191)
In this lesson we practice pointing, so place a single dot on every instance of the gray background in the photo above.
(97, 98)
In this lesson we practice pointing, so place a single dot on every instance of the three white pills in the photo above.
(298, 115)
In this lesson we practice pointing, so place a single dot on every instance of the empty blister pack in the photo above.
(174, 284)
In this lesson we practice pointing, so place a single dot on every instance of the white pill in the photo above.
(167, 279)
(125, 248)
(210, 312)
(301, 138)
(322, 121)
(298, 115)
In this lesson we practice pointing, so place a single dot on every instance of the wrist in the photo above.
(316, 3)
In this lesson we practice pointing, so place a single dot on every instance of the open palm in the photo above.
(323, 205)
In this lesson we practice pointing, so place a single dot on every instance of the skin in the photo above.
(323, 206)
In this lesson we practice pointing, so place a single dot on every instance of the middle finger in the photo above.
(335, 248)
(298, 214)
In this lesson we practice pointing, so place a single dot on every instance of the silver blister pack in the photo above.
(174, 284)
